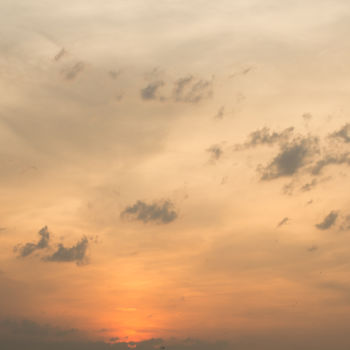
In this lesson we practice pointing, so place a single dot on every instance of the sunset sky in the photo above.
(175, 174)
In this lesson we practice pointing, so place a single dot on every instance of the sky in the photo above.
(174, 174)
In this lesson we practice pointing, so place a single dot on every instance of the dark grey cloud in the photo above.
(265, 136)
(342, 134)
(192, 90)
(29, 248)
(162, 212)
(328, 221)
(72, 72)
(292, 157)
(215, 151)
(330, 160)
(150, 91)
(76, 253)
(283, 222)
(29, 328)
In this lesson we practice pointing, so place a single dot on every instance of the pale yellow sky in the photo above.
(190, 160)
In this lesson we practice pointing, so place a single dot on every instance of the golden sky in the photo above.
(175, 174)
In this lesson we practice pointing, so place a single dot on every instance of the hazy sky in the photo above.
(175, 174)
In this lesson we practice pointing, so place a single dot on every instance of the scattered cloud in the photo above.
(308, 186)
(215, 151)
(29, 328)
(292, 157)
(343, 133)
(74, 71)
(265, 136)
(244, 71)
(313, 248)
(150, 91)
(114, 339)
(113, 74)
(330, 160)
(162, 212)
(60, 54)
(328, 221)
(220, 113)
(29, 248)
(345, 225)
(307, 116)
(283, 222)
(192, 90)
(76, 254)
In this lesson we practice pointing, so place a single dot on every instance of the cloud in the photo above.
(313, 248)
(308, 186)
(150, 91)
(60, 54)
(215, 151)
(77, 253)
(244, 71)
(29, 248)
(162, 212)
(265, 136)
(74, 71)
(283, 222)
(114, 339)
(345, 226)
(114, 74)
(307, 116)
(220, 113)
(343, 133)
(29, 328)
(328, 221)
(192, 90)
(30, 343)
(292, 157)
(330, 160)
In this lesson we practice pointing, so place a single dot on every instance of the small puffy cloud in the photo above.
(215, 151)
(292, 157)
(283, 222)
(29, 248)
(328, 221)
(265, 136)
(150, 91)
(343, 133)
(76, 253)
(162, 212)
(192, 90)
